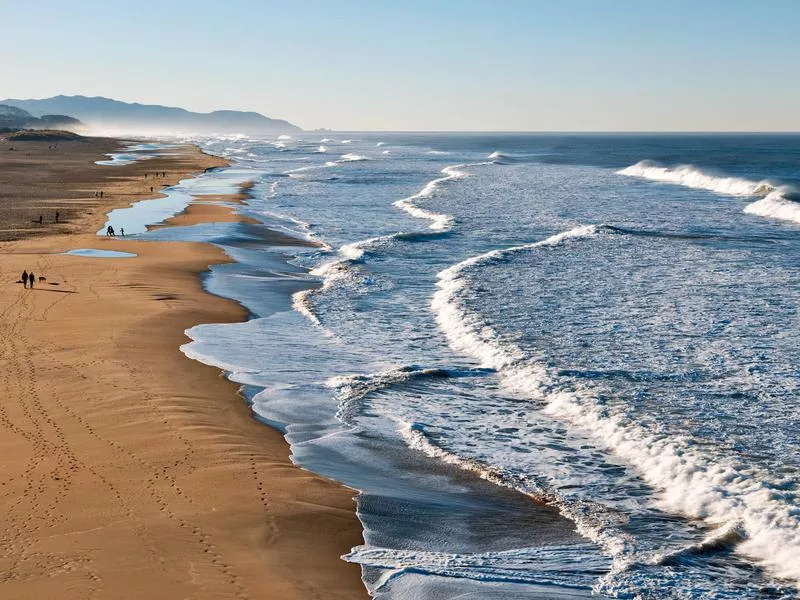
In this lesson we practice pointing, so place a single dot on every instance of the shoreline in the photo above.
(124, 456)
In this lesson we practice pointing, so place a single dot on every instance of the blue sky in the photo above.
(576, 65)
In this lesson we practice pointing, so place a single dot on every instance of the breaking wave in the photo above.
(720, 492)
(352, 158)
(440, 221)
(350, 390)
(775, 203)
(775, 206)
(496, 155)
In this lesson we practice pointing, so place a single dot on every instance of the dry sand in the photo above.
(126, 469)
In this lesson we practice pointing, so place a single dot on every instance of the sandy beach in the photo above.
(126, 469)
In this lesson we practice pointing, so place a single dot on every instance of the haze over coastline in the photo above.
(108, 116)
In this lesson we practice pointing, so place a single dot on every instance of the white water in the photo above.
(440, 222)
(722, 493)
(774, 204)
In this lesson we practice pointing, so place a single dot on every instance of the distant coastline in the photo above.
(106, 114)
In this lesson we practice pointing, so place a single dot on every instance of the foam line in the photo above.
(775, 202)
(719, 492)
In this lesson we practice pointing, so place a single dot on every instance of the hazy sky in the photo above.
(525, 65)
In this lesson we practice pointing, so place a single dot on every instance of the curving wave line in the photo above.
(544, 566)
(594, 521)
(350, 390)
(336, 272)
(719, 492)
(440, 222)
(341, 270)
(345, 158)
(775, 203)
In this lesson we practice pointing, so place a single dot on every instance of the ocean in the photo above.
(552, 365)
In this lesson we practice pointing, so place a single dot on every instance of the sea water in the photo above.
(554, 366)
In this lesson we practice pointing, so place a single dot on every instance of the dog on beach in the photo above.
(42, 279)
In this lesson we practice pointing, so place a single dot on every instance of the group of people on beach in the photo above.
(41, 218)
(111, 233)
(28, 278)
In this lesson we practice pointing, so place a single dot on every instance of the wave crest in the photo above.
(440, 221)
(715, 491)
(776, 203)
(775, 206)
(689, 176)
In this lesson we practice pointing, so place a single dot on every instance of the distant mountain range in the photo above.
(13, 117)
(105, 113)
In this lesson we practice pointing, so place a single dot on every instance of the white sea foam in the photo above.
(440, 222)
(386, 152)
(338, 271)
(346, 158)
(689, 176)
(721, 492)
(593, 521)
(291, 172)
(321, 149)
(284, 137)
(774, 204)
(353, 157)
(302, 303)
(326, 141)
(545, 565)
(350, 390)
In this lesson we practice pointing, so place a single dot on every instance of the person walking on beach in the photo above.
(122, 231)
(110, 231)
(101, 193)
(57, 215)
(25, 279)
(30, 278)
(41, 218)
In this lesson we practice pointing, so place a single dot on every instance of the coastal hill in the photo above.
(13, 117)
(106, 113)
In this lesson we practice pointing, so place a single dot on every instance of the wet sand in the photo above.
(126, 469)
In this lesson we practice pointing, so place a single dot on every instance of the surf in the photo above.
(688, 481)
(775, 202)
